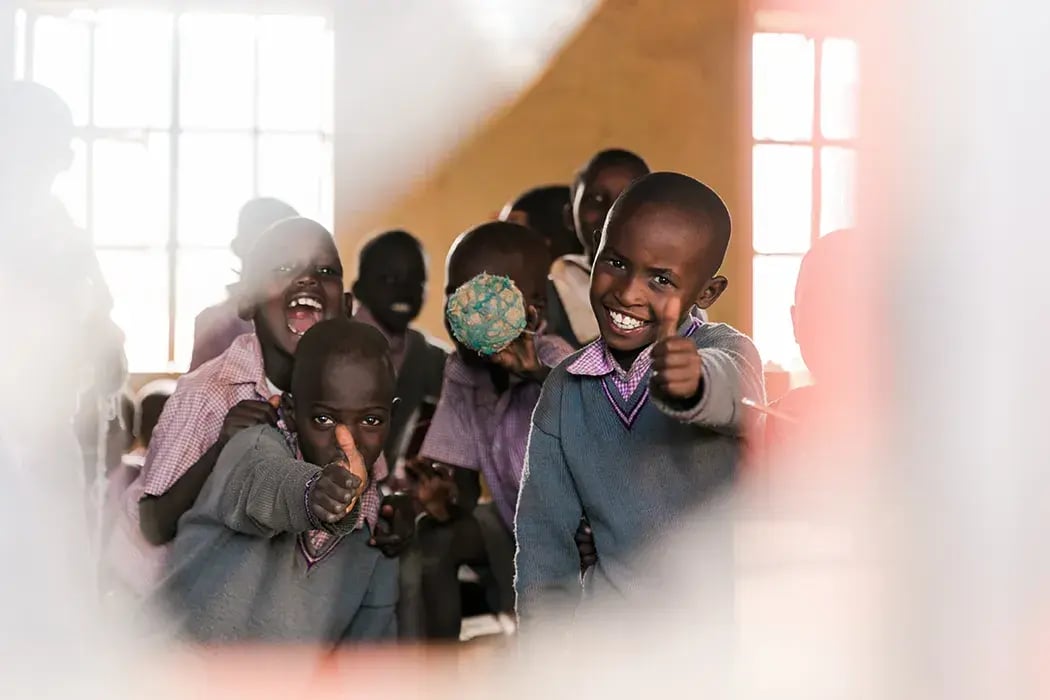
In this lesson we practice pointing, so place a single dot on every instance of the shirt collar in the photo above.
(596, 359)
(242, 363)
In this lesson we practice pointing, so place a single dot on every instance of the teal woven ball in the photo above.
(486, 313)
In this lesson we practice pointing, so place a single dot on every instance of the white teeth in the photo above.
(305, 301)
(624, 322)
(400, 308)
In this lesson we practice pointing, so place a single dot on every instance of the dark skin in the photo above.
(342, 418)
(653, 264)
(301, 263)
(595, 196)
(392, 285)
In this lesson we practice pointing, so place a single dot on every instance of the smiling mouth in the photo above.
(625, 323)
(400, 307)
(303, 312)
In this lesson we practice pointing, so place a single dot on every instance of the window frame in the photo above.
(817, 142)
(90, 133)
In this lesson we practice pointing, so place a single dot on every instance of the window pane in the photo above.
(782, 85)
(131, 188)
(133, 69)
(292, 79)
(138, 281)
(290, 169)
(216, 56)
(61, 59)
(71, 186)
(774, 295)
(201, 279)
(215, 179)
(837, 188)
(782, 198)
(839, 69)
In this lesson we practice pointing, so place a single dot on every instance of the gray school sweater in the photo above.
(631, 483)
(237, 573)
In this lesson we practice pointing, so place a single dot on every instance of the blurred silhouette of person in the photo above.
(216, 327)
(64, 359)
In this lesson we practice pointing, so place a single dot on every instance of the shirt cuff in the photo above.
(315, 524)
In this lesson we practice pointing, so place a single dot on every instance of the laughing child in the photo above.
(292, 279)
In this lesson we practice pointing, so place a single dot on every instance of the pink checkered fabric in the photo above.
(595, 360)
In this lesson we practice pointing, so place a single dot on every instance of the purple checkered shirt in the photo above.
(596, 360)
(476, 428)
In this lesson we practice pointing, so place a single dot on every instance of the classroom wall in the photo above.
(663, 77)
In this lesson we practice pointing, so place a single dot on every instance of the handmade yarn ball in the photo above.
(486, 313)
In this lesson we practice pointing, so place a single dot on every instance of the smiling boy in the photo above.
(276, 546)
(645, 423)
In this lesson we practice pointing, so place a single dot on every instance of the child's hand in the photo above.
(249, 413)
(436, 489)
(585, 544)
(677, 369)
(396, 525)
(341, 483)
(520, 356)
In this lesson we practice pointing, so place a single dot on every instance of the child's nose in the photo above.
(630, 292)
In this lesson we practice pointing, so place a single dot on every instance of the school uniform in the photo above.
(251, 562)
(602, 446)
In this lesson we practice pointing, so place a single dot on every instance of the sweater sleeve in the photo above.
(264, 489)
(732, 371)
(547, 561)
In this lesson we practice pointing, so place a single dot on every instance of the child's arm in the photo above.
(266, 492)
(704, 386)
(547, 561)
(159, 514)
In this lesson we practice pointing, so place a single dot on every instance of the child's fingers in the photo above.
(345, 440)
(328, 508)
(669, 316)
(338, 486)
(274, 401)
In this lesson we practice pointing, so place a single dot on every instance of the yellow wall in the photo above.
(667, 78)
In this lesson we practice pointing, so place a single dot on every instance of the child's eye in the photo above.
(329, 271)
(285, 269)
(372, 421)
(324, 421)
(663, 281)
(613, 262)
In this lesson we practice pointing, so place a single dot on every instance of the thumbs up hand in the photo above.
(677, 369)
(342, 482)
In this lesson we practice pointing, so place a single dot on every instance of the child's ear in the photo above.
(288, 409)
(348, 304)
(712, 290)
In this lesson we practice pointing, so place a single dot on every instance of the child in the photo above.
(643, 424)
(543, 210)
(216, 327)
(391, 279)
(596, 186)
(481, 426)
(292, 279)
(276, 547)
(827, 296)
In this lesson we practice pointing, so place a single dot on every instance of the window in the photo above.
(803, 162)
(182, 117)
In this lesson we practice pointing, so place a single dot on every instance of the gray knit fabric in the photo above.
(631, 483)
(237, 573)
